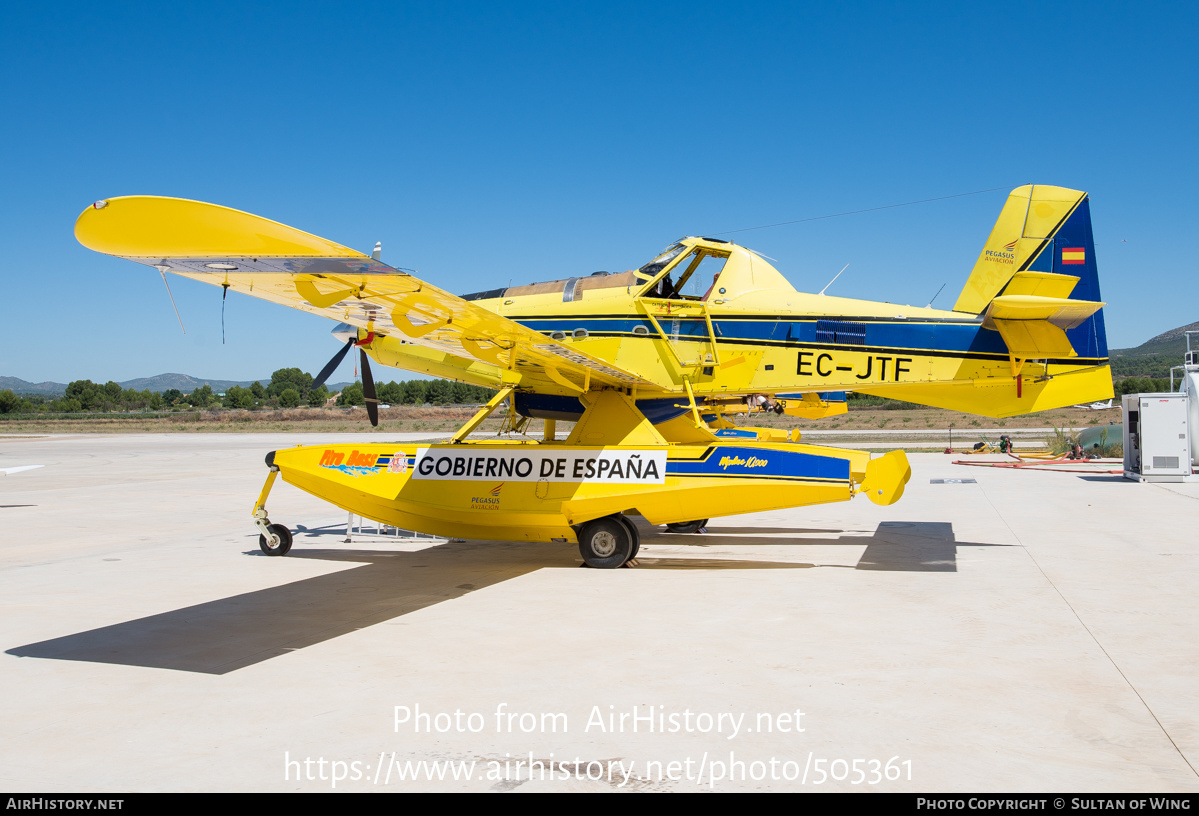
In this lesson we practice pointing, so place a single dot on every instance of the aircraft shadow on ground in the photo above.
(224, 635)
(897, 546)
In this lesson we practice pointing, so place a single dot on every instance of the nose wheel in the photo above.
(279, 541)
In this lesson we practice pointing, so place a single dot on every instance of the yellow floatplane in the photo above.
(651, 365)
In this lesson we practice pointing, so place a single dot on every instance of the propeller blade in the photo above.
(368, 390)
(332, 365)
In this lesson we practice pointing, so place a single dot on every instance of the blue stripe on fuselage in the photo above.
(913, 335)
(762, 462)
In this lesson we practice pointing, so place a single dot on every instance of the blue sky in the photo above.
(488, 143)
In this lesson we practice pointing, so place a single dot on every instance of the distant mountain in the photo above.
(1173, 343)
(50, 389)
(1153, 358)
(184, 382)
(162, 382)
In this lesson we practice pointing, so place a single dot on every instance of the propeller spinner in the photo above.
(368, 381)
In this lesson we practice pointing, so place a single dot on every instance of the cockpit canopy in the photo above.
(690, 269)
(684, 271)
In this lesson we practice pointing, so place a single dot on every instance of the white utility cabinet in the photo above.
(1157, 437)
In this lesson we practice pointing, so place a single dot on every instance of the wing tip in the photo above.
(162, 226)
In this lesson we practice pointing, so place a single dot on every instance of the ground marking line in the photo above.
(1087, 629)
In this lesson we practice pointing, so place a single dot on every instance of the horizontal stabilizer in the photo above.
(1034, 327)
(1061, 312)
(1044, 284)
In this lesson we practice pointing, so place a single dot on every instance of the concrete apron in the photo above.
(1030, 631)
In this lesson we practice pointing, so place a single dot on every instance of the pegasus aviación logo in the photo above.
(489, 502)
(1005, 254)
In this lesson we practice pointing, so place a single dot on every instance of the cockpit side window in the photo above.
(701, 276)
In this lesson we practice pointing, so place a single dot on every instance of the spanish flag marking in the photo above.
(1074, 255)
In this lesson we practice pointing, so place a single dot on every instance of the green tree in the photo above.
(351, 395)
(238, 397)
(286, 378)
(84, 393)
(9, 402)
(202, 397)
(1141, 385)
(290, 398)
(440, 392)
(318, 396)
(413, 392)
(391, 393)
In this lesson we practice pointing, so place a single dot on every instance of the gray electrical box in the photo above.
(1157, 444)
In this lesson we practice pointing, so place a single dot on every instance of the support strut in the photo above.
(260, 517)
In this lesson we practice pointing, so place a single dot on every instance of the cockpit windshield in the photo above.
(659, 263)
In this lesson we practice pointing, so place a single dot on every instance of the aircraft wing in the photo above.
(271, 261)
(18, 469)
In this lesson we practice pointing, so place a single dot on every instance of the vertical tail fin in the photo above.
(1041, 229)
